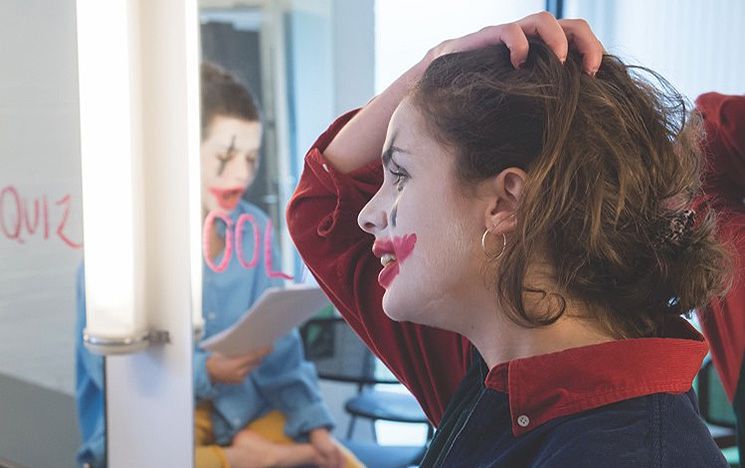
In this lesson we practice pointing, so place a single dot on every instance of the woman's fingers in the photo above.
(580, 35)
(509, 34)
(545, 27)
(516, 41)
(557, 35)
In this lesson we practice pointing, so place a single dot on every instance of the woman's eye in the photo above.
(399, 176)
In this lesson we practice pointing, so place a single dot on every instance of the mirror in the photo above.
(40, 233)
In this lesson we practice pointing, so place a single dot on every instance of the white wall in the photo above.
(39, 164)
(697, 45)
(406, 30)
(40, 229)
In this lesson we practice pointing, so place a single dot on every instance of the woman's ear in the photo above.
(504, 192)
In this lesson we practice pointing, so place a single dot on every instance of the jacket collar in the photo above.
(542, 388)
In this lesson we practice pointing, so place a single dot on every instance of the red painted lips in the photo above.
(400, 247)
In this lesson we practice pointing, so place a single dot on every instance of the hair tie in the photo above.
(676, 227)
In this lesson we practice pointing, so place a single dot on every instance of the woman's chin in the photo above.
(392, 311)
(397, 311)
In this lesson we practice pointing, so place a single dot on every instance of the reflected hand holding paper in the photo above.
(233, 370)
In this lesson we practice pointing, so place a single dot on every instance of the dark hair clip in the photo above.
(676, 227)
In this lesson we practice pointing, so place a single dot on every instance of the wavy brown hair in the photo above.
(612, 162)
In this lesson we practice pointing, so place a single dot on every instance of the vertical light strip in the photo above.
(152, 391)
(109, 71)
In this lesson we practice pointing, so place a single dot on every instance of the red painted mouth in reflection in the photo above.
(395, 250)
(227, 198)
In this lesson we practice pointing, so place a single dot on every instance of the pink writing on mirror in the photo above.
(20, 219)
(234, 235)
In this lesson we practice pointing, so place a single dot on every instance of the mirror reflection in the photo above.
(262, 404)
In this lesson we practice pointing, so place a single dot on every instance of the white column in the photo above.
(149, 395)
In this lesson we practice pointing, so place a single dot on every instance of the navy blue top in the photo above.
(657, 430)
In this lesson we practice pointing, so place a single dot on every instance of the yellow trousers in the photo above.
(207, 454)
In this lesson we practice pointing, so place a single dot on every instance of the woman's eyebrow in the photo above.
(388, 153)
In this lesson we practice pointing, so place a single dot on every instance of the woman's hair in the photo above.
(613, 164)
(223, 94)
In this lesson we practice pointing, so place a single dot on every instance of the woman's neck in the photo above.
(498, 339)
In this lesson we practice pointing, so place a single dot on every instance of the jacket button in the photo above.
(523, 421)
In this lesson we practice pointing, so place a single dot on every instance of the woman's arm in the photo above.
(361, 141)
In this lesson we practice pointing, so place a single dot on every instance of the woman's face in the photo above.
(427, 232)
(229, 157)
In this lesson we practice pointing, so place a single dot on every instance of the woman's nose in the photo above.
(372, 219)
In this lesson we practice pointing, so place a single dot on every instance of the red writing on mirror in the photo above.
(22, 219)
(234, 233)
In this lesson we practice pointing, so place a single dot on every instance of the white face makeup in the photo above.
(229, 159)
(427, 232)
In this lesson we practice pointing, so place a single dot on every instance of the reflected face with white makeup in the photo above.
(426, 229)
(229, 161)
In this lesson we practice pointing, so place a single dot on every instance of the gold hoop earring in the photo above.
(483, 244)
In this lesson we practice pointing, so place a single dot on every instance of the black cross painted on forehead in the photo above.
(229, 154)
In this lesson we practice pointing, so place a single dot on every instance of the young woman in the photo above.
(259, 410)
(521, 253)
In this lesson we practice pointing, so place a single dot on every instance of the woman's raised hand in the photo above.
(361, 140)
(557, 34)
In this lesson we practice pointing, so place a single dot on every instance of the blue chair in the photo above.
(339, 355)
